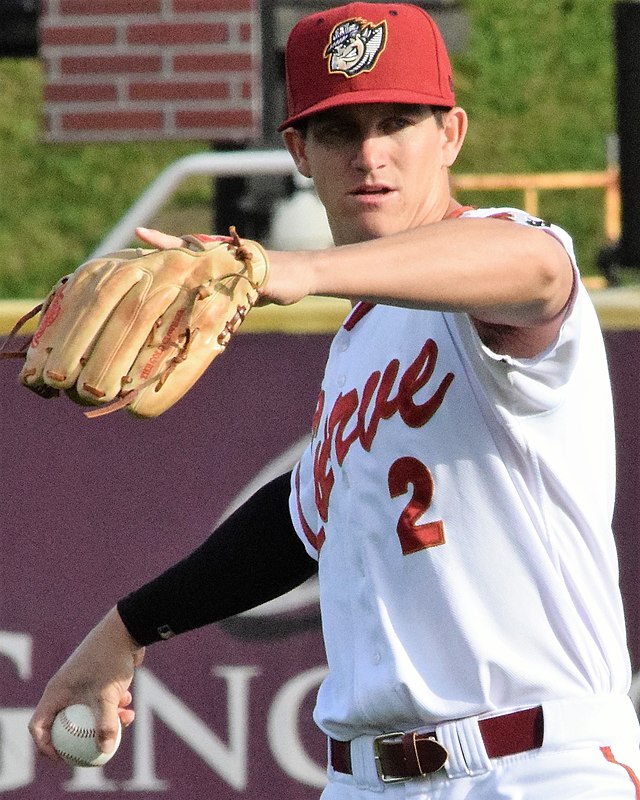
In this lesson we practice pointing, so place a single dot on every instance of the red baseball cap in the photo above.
(366, 53)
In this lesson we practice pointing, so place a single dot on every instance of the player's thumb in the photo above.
(158, 239)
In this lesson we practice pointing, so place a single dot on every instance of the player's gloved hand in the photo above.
(136, 329)
(98, 673)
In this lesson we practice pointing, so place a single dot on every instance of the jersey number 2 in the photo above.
(413, 537)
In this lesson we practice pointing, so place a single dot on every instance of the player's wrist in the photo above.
(314, 270)
(118, 630)
(289, 278)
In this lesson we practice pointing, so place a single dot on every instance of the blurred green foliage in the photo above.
(57, 201)
(537, 79)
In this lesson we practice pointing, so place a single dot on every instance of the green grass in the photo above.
(537, 79)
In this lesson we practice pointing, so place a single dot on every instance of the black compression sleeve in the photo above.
(253, 556)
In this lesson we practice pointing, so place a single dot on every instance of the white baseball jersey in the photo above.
(459, 503)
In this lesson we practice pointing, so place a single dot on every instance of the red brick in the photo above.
(172, 90)
(167, 33)
(79, 92)
(78, 35)
(194, 6)
(245, 32)
(93, 7)
(97, 65)
(215, 62)
(214, 119)
(113, 121)
(247, 90)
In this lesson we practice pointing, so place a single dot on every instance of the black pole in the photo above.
(627, 15)
(626, 252)
(19, 28)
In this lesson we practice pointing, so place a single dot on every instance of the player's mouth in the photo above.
(371, 193)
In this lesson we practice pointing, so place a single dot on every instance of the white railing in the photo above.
(236, 163)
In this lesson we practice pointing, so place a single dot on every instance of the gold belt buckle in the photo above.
(438, 756)
(376, 754)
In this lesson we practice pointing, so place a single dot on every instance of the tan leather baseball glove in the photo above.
(137, 328)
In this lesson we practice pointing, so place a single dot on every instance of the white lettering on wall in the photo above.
(153, 698)
(283, 730)
(16, 751)
(90, 780)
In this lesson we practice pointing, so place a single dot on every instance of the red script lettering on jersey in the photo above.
(376, 397)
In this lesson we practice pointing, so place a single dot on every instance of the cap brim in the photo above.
(369, 96)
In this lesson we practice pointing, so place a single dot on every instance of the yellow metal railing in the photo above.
(532, 184)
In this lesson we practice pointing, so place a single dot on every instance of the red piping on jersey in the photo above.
(363, 307)
(458, 212)
(315, 541)
(357, 314)
(606, 752)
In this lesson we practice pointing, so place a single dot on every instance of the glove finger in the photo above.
(140, 323)
(177, 373)
(70, 323)
(31, 373)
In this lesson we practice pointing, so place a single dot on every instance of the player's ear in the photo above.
(295, 142)
(454, 129)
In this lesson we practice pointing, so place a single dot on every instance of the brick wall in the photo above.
(151, 69)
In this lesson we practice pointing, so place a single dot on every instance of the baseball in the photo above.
(73, 735)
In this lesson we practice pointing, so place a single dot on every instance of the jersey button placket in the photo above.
(342, 345)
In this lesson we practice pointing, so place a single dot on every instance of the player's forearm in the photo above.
(254, 556)
(498, 271)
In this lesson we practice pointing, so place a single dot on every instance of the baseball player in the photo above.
(456, 494)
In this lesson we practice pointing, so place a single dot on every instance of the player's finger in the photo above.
(127, 716)
(125, 713)
(126, 699)
(107, 717)
(40, 730)
(159, 240)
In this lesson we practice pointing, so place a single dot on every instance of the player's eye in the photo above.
(334, 132)
(399, 123)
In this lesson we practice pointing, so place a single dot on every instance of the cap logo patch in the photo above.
(354, 46)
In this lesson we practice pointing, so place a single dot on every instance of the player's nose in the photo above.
(370, 153)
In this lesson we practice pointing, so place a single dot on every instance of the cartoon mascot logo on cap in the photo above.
(354, 46)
